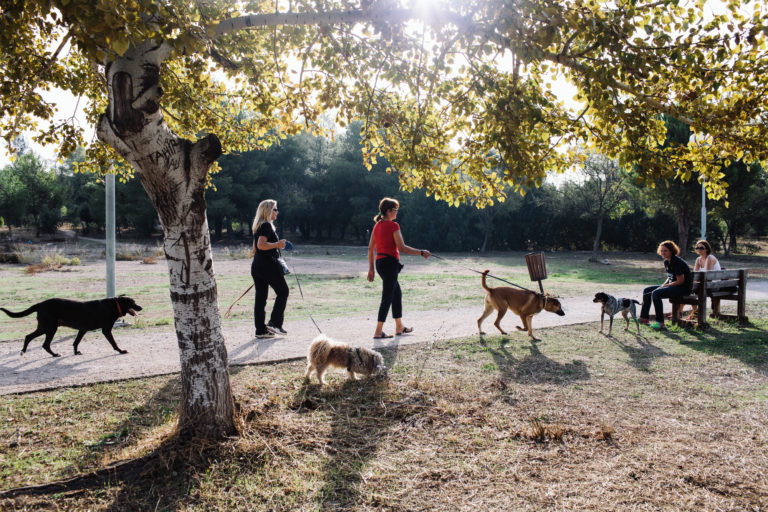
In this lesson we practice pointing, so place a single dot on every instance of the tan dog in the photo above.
(325, 352)
(523, 303)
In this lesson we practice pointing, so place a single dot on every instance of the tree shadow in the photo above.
(639, 357)
(535, 368)
(360, 417)
(157, 480)
(749, 344)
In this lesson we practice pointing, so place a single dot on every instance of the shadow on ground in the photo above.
(535, 368)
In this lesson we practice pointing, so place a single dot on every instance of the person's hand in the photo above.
(281, 244)
(370, 275)
(425, 253)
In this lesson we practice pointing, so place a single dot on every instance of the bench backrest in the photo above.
(717, 280)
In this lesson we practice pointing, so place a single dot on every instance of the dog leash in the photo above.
(293, 271)
(309, 312)
(226, 315)
(488, 275)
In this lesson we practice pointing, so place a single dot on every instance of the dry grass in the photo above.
(579, 421)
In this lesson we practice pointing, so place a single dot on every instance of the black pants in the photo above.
(263, 278)
(388, 268)
(654, 295)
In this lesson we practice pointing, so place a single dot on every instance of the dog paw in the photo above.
(123, 351)
(56, 355)
(78, 353)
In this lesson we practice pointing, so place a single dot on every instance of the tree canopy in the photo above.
(455, 93)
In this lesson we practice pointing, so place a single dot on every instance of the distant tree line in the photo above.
(325, 195)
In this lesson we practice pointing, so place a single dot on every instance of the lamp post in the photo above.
(703, 211)
(110, 233)
(694, 140)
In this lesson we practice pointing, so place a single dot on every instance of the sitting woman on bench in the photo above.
(705, 261)
(679, 282)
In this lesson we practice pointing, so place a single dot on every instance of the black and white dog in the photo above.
(612, 305)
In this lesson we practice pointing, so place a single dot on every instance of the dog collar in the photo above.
(120, 311)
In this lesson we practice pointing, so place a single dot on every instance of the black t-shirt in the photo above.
(270, 255)
(676, 266)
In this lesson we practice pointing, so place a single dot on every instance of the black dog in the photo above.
(83, 316)
(612, 305)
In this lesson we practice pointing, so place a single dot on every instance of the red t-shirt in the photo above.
(383, 236)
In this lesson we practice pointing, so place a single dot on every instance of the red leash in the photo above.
(226, 315)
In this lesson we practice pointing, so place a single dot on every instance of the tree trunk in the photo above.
(173, 171)
(596, 242)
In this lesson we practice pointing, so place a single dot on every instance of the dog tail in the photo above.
(487, 288)
(633, 300)
(20, 314)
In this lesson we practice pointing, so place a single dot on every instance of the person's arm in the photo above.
(263, 245)
(406, 249)
(697, 265)
(679, 280)
(371, 246)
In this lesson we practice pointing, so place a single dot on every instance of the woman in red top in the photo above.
(387, 242)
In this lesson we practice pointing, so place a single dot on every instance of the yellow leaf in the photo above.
(121, 46)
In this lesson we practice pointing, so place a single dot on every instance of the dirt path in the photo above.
(154, 352)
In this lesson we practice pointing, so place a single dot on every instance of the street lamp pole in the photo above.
(693, 140)
(703, 211)
(110, 233)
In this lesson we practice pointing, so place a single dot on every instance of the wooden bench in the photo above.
(717, 285)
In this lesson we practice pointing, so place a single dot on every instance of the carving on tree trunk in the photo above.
(173, 172)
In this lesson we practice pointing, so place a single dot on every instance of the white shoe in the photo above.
(276, 330)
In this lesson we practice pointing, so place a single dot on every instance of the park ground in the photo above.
(671, 420)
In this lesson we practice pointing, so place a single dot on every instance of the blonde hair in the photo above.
(264, 214)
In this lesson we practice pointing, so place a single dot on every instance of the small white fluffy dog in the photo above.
(325, 352)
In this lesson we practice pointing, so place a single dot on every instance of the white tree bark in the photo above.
(173, 172)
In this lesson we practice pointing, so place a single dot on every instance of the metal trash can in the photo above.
(537, 267)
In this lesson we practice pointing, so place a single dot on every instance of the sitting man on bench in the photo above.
(679, 283)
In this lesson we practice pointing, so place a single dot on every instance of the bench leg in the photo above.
(715, 308)
(701, 315)
(675, 313)
(742, 303)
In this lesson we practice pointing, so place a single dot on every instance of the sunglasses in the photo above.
(701, 247)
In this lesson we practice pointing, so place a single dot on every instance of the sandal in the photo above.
(406, 330)
(383, 336)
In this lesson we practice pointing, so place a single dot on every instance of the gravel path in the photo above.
(155, 352)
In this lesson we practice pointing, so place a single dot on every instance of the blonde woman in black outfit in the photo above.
(266, 271)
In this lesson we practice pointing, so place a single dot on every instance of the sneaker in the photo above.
(264, 335)
(643, 321)
(275, 329)
(659, 326)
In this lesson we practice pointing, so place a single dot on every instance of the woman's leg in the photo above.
(387, 270)
(259, 305)
(664, 293)
(645, 310)
(277, 282)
